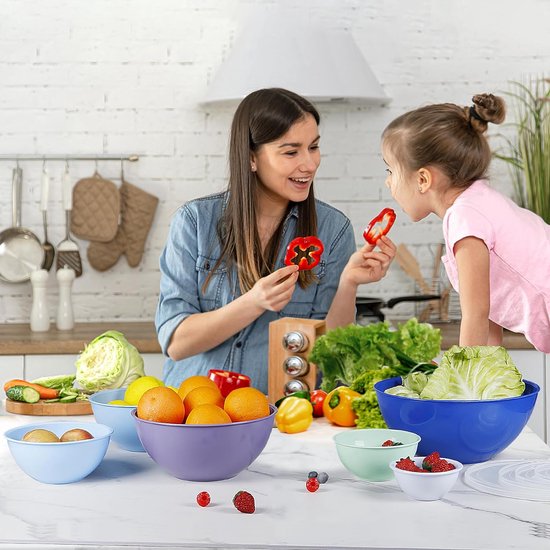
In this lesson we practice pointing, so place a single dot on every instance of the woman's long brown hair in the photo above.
(262, 117)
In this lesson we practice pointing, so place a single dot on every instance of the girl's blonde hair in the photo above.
(447, 136)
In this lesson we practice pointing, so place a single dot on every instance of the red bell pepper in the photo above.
(379, 226)
(305, 252)
(228, 380)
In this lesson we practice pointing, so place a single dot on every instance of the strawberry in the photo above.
(442, 466)
(408, 465)
(244, 502)
(430, 460)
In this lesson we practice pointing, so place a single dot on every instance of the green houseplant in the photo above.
(528, 152)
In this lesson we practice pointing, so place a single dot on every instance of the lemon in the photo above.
(138, 387)
(118, 402)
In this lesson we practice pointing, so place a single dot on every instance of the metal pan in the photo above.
(371, 307)
(21, 251)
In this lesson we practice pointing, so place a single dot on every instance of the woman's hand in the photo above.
(368, 265)
(274, 291)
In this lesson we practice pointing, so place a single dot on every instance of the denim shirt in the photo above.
(191, 252)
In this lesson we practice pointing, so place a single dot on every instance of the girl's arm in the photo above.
(495, 334)
(364, 266)
(472, 260)
(203, 331)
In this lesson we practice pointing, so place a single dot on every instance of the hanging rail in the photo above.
(130, 158)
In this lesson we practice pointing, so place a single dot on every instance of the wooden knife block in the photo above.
(277, 377)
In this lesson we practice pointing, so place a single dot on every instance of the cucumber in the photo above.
(68, 399)
(23, 393)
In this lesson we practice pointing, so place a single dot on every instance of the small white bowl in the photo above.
(426, 485)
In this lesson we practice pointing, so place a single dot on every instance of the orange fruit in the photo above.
(246, 404)
(208, 414)
(201, 396)
(194, 382)
(161, 404)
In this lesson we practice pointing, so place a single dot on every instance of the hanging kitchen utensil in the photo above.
(20, 249)
(49, 251)
(433, 307)
(372, 307)
(67, 250)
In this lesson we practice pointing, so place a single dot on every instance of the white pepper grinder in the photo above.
(65, 318)
(40, 318)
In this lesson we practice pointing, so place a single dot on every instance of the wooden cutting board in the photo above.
(49, 409)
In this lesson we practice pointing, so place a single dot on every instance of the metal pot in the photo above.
(371, 307)
(21, 251)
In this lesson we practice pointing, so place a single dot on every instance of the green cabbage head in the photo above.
(476, 372)
(108, 362)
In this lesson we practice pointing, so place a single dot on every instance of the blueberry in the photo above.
(312, 474)
(322, 477)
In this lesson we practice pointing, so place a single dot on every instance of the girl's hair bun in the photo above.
(486, 108)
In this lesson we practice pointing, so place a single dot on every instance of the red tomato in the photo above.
(317, 400)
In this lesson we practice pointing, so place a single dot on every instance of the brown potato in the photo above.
(41, 436)
(77, 434)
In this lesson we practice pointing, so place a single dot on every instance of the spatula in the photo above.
(410, 266)
(49, 251)
(67, 250)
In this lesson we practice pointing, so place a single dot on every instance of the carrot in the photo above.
(45, 393)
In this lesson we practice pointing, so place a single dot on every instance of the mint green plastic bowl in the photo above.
(361, 451)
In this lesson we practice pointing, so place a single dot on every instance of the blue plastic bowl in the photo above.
(119, 417)
(59, 462)
(467, 431)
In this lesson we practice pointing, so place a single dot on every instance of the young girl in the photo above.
(223, 278)
(497, 254)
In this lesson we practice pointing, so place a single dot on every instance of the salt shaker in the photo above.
(40, 319)
(65, 318)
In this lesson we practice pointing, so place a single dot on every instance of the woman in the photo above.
(223, 274)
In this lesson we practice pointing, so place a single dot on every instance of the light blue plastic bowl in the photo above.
(119, 417)
(59, 462)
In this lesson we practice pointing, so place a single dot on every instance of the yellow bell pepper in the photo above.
(294, 415)
(337, 406)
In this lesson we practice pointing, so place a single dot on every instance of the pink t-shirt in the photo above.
(519, 255)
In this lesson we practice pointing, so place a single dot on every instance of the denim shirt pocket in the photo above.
(301, 304)
(211, 297)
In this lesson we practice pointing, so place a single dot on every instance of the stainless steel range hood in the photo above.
(276, 50)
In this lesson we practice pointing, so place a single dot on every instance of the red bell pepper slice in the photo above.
(379, 226)
(305, 252)
(228, 381)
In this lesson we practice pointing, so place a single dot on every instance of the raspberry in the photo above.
(203, 499)
(430, 460)
(312, 484)
(391, 443)
(244, 502)
(442, 466)
(408, 465)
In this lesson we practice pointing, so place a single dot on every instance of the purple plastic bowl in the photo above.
(205, 452)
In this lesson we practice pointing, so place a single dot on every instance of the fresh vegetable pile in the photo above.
(49, 389)
(475, 372)
(359, 356)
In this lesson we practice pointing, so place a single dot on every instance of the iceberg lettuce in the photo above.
(476, 372)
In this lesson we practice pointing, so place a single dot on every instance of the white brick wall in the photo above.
(112, 76)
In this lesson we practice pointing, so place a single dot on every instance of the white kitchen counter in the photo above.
(130, 502)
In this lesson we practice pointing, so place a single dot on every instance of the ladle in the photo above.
(49, 251)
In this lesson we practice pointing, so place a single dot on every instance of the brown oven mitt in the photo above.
(137, 212)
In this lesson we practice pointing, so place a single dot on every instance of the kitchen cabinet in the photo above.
(11, 366)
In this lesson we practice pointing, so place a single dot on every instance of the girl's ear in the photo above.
(252, 162)
(425, 179)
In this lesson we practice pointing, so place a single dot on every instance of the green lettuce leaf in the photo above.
(476, 372)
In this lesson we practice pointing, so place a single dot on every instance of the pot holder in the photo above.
(96, 209)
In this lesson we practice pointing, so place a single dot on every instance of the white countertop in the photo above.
(130, 502)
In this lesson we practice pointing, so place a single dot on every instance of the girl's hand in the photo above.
(368, 265)
(275, 291)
